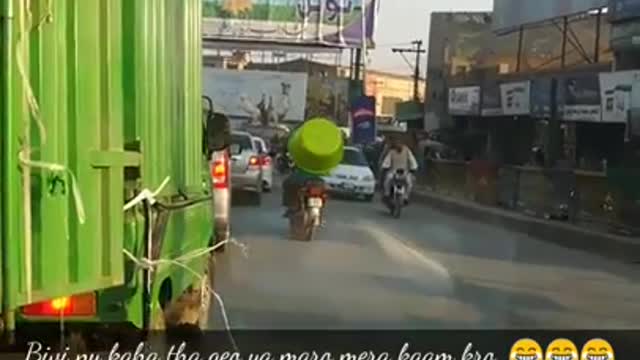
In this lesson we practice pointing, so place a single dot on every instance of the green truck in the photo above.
(100, 106)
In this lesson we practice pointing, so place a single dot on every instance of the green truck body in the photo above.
(117, 86)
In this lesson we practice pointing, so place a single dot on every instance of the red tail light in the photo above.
(78, 305)
(315, 191)
(266, 160)
(220, 174)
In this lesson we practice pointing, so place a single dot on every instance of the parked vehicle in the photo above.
(219, 165)
(246, 171)
(304, 222)
(353, 177)
(118, 121)
(396, 199)
(266, 163)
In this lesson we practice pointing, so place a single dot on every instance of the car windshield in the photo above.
(258, 145)
(242, 140)
(354, 157)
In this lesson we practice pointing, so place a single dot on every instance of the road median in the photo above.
(626, 249)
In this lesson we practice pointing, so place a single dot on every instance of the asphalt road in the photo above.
(427, 270)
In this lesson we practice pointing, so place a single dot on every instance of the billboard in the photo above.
(328, 97)
(464, 100)
(491, 99)
(263, 97)
(579, 98)
(363, 120)
(615, 93)
(511, 14)
(516, 98)
(620, 10)
(338, 23)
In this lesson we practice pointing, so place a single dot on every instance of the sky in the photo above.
(403, 21)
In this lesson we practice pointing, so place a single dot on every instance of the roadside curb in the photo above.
(569, 236)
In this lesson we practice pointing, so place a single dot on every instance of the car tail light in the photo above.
(220, 174)
(266, 160)
(254, 161)
(77, 305)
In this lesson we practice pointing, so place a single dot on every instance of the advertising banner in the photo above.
(328, 97)
(263, 97)
(464, 100)
(491, 99)
(516, 98)
(363, 120)
(337, 23)
(541, 98)
(511, 14)
(579, 98)
(620, 10)
(615, 89)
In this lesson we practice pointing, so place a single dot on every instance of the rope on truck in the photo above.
(145, 263)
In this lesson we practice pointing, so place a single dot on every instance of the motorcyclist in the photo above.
(315, 152)
(398, 157)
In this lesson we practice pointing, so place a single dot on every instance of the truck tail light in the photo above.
(77, 305)
(220, 173)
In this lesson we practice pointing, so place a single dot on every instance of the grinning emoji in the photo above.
(562, 349)
(597, 349)
(526, 349)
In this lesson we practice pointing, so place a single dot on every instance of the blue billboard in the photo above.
(363, 120)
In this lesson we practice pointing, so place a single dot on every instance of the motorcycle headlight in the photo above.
(367, 178)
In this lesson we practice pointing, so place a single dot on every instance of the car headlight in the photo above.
(367, 178)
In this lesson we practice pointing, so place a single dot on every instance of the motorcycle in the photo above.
(396, 199)
(304, 222)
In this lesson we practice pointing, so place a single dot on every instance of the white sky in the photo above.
(402, 21)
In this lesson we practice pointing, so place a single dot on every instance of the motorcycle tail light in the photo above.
(316, 191)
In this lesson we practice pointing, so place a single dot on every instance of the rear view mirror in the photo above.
(235, 149)
(217, 132)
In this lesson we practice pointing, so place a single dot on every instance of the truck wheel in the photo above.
(191, 309)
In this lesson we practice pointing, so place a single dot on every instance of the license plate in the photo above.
(315, 202)
(348, 186)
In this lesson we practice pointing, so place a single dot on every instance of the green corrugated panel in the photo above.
(74, 66)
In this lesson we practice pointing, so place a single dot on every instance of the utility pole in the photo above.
(418, 50)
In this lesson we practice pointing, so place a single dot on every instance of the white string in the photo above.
(147, 195)
(53, 167)
(150, 265)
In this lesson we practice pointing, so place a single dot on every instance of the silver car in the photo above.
(246, 169)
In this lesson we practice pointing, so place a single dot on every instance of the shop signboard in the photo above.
(579, 98)
(516, 98)
(491, 99)
(541, 98)
(615, 89)
(464, 100)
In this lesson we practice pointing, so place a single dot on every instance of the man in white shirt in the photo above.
(399, 156)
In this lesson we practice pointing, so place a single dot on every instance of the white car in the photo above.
(246, 172)
(266, 162)
(353, 177)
